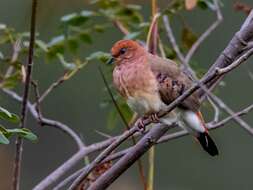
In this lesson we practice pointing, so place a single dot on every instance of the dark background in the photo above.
(180, 164)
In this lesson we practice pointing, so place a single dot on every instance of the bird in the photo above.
(150, 83)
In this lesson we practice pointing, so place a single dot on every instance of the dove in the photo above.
(150, 83)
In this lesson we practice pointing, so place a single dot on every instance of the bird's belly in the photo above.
(144, 105)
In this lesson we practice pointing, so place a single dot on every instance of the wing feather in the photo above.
(173, 82)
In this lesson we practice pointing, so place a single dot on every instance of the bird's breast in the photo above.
(138, 85)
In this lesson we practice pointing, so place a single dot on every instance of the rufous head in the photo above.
(126, 50)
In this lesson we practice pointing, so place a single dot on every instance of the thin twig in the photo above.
(130, 157)
(14, 57)
(102, 156)
(121, 27)
(203, 36)
(29, 67)
(140, 165)
(52, 87)
(68, 180)
(37, 105)
(172, 39)
(47, 122)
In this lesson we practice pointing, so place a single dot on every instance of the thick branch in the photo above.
(125, 162)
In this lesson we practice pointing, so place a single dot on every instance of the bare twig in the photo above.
(37, 97)
(203, 36)
(216, 111)
(121, 27)
(68, 180)
(232, 51)
(172, 39)
(52, 87)
(102, 156)
(14, 58)
(29, 66)
(45, 121)
(127, 160)
(101, 145)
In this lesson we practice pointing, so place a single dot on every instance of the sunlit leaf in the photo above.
(67, 65)
(99, 55)
(132, 35)
(57, 40)
(3, 139)
(24, 133)
(6, 115)
(77, 19)
(42, 45)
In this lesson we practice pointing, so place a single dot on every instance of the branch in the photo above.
(232, 51)
(69, 164)
(203, 36)
(29, 66)
(125, 162)
(147, 121)
(102, 156)
(52, 87)
(45, 121)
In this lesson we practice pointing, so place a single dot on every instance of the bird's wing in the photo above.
(172, 82)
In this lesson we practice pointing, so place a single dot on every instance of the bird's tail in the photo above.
(195, 121)
(207, 143)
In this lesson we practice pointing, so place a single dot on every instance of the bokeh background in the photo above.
(180, 164)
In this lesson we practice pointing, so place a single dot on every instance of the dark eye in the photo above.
(122, 51)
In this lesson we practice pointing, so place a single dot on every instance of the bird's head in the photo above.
(124, 51)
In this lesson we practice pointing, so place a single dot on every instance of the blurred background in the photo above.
(180, 164)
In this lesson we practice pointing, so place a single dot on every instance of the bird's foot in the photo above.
(141, 125)
(154, 118)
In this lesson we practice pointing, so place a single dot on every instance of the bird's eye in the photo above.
(122, 51)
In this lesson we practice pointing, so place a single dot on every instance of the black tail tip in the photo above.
(208, 144)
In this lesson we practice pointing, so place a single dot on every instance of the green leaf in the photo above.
(87, 13)
(188, 37)
(72, 44)
(3, 130)
(202, 4)
(99, 55)
(77, 19)
(85, 37)
(42, 45)
(67, 65)
(132, 35)
(3, 139)
(24, 133)
(6, 115)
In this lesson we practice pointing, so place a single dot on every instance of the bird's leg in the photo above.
(154, 118)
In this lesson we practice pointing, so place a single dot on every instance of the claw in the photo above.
(154, 118)
(141, 125)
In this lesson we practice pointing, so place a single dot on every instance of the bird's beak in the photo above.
(110, 61)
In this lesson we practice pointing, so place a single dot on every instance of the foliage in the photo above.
(5, 134)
